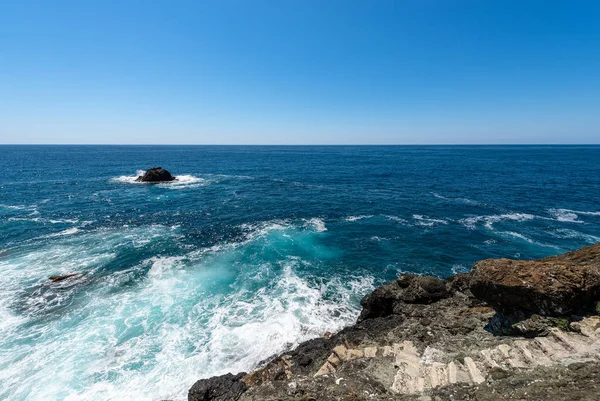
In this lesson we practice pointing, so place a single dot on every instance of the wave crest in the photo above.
(489, 220)
(570, 216)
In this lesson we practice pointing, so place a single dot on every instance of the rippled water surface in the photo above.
(251, 251)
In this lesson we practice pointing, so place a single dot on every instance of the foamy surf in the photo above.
(426, 221)
(69, 231)
(489, 220)
(190, 315)
(317, 224)
(357, 218)
(570, 216)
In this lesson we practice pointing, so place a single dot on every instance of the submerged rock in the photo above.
(220, 388)
(551, 286)
(55, 279)
(156, 174)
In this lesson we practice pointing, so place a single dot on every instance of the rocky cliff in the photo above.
(509, 330)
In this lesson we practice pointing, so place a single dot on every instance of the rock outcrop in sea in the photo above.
(509, 330)
(156, 174)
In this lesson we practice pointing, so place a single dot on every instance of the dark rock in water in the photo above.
(551, 286)
(156, 174)
(221, 388)
(55, 279)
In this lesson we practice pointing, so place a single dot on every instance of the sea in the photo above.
(251, 251)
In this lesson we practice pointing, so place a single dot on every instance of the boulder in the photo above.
(156, 174)
(227, 387)
(555, 285)
(421, 289)
(407, 289)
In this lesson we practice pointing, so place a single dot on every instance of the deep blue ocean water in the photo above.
(253, 250)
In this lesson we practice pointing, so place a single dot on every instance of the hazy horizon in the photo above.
(340, 73)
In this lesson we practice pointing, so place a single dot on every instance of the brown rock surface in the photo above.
(551, 286)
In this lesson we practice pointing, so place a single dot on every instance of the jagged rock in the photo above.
(380, 302)
(408, 289)
(156, 174)
(220, 388)
(424, 338)
(421, 289)
(551, 286)
(519, 323)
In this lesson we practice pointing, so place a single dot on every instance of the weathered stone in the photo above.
(156, 174)
(221, 388)
(407, 289)
(380, 302)
(421, 289)
(550, 286)
(370, 352)
(326, 369)
(517, 322)
(421, 341)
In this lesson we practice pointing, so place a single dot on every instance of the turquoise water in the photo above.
(253, 250)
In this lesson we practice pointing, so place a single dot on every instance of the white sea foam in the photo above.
(426, 221)
(458, 268)
(586, 213)
(192, 316)
(526, 239)
(567, 233)
(186, 180)
(62, 221)
(317, 224)
(357, 218)
(69, 231)
(456, 200)
(570, 216)
(130, 179)
(488, 221)
(13, 207)
(396, 219)
(44, 220)
(378, 239)
(162, 265)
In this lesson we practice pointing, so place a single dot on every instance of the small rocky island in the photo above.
(156, 174)
(509, 330)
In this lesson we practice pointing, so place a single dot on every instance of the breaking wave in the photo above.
(153, 327)
(488, 221)
(570, 216)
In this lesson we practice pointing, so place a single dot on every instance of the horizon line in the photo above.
(299, 144)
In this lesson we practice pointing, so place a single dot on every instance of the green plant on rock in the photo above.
(562, 323)
(598, 307)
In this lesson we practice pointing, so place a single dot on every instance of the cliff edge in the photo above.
(509, 330)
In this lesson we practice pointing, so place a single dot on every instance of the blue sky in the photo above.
(299, 72)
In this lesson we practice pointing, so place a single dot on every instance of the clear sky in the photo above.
(299, 71)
